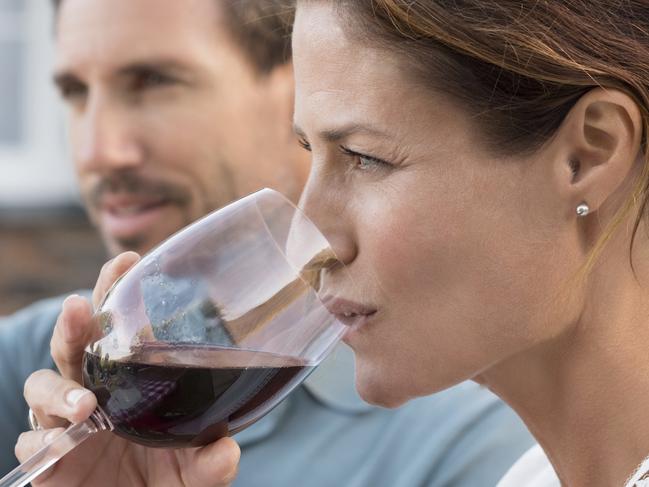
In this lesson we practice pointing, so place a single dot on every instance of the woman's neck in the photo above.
(585, 395)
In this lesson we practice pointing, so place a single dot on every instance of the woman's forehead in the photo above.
(331, 69)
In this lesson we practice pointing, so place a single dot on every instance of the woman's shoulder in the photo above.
(533, 469)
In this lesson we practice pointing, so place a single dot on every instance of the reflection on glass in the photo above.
(208, 332)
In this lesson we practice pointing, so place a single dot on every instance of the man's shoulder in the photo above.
(472, 434)
(26, 334)
(452, 412)
(24, 348)
(463, 436)
(34, 320)
(466, 414)
(466, 397)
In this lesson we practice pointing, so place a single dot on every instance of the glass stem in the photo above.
(54, 451)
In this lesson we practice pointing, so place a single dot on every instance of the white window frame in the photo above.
(36, 172)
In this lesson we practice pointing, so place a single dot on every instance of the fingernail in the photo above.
(107, 264)
(71, 296)
(129, 254)
(74, 396)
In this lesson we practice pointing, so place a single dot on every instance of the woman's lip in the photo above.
(355, 321)
(348, 312)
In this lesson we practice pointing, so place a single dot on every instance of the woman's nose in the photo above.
(326, 206)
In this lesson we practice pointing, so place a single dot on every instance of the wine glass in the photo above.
(206, 333)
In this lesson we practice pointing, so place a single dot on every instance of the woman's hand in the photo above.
(106, 459)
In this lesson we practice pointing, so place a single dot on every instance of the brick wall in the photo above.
(45, 252)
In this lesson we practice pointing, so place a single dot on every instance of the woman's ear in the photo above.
(596, 147)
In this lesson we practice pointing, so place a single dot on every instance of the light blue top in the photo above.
(323, 434)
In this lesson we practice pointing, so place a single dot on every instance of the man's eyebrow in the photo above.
(337, 134)
(165, 65)
(63, 75)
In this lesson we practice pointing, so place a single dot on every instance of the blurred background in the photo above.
(47, 246)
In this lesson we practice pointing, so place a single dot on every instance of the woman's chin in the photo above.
(378, 393)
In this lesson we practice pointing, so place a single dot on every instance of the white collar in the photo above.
(532, 469)
(640, 477)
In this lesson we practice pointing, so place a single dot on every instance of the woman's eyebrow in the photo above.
(337, 134)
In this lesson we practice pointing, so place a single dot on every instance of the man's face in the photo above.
(167, 118)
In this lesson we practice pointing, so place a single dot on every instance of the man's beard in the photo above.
(130, 183)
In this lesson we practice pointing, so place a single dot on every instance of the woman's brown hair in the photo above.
(519, 66)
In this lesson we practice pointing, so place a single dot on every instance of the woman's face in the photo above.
(456, 255)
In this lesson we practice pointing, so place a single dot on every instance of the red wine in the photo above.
(179, 395)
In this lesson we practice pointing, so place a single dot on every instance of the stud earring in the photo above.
(583, 209)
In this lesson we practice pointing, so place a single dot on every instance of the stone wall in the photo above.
(45, 252)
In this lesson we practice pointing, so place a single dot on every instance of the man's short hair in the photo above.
(261, 28)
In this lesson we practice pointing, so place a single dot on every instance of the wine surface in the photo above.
(179, 395)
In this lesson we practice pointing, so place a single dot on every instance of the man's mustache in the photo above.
(134, 184)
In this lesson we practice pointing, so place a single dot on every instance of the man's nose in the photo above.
(327, 207)
(105, 138)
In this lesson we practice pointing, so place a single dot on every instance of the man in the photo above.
(177, 108)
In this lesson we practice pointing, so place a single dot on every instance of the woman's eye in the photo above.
(365, 162)
(304, 144)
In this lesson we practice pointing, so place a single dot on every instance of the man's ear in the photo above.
(282, 85)
(596, 147)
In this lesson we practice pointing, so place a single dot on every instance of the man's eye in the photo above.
(72, 90)
(150, 79)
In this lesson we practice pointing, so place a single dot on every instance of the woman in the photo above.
(480, 167)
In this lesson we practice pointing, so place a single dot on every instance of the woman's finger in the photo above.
(56, 401)
(110, 272)
(73, 331)
(214, 465)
